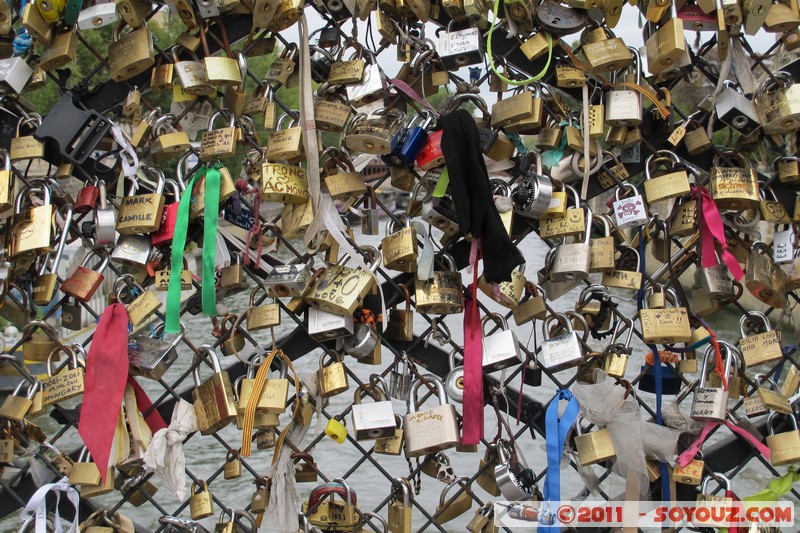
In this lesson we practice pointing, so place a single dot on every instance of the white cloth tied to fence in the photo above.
(165, 454)
(604, 404)
(37, 506)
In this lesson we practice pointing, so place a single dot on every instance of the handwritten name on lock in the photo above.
(134, 201)
(283, 179)
(622, 278)
(425, 423)
(670, 316)
(755, 343)
(732, 182)
(705, 402)
(65, 384)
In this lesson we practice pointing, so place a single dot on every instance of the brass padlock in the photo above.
(341, 289)
(131, 54)
(400, 510)
(60, 51)
(669, 325)
(593, 447)
(232, 468)
(341, 178)
(332, 378)
(399, 246)
(734, 188)
(266, 315)
(692, 472)
(785, 446)
(213, 398)
(220, 143)
(401, 321)
(670, 185)
(443, 294)
(201, 504)
(761, 347)
(604, 51)
(141, 213)
(68, 382)
(763, 278)
(39, 346)
(455, 506)
(233, 339)
(220, 70)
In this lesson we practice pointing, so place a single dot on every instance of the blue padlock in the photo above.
(407, 144)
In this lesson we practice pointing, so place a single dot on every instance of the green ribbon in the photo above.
(441, 184)
(211, 213)
(210, 218)
(777, 488)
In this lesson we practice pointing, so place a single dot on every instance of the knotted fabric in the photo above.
(165, 454)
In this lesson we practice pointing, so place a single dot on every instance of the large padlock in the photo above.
(131, 54)
(220, 70)
(213, 398)
(460, 48)
(736, 110)
(777, 101)
(191, 73)
(17, 404)
(150, 355)
(734, 187)
(431, 430)
(373, 420)
(533, 193)
(710, 404)
(341, 178)
(604, 51)
(220, 143)
(500, 349)
(291, 280)
(31, 229)
(274, 393)
(286, 143)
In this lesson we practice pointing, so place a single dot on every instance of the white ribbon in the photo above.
(141, 434)
(284, 499)
(325, 215)
(40, 473)
(165, 454)
(37, 506)
(635, 440)
(128, 158)
(425, 261)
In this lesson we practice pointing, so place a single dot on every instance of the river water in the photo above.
(204, 454)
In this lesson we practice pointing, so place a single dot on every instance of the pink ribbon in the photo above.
(712, 229)
(472, 429)
(409, 91)
(687, 456)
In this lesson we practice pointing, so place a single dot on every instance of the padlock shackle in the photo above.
(750, 316)
(715, 476)
(449, 486)
(774, 416)
(412, 403)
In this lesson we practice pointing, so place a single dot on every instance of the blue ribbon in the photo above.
(657, 368)
(556, 436)
(23, 41)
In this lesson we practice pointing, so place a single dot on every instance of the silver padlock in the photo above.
(532, 195)
(324, 326)
(716, 281)
(460, 48)
(289, 280)
(631, 211)
(431, 430)
(783, 244)
(500, 349)
(361, 344)
(562, 351)
(509, 474)
(105, 220)
(572, 260)
(554, 289)
(624, 106)
(151, 357)
(132, 249)
(371, 87)
(441, 214)
(373, 420)
(14, 74)
(736, 110)
(97, 16)
(454, 381)
(710, 404)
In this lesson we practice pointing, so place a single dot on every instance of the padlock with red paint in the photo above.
(430, 155)
(86, 200)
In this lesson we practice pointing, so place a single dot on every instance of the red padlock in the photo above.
(86, 200)
(430, 155)
(169, 216)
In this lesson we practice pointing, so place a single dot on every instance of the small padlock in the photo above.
(201, 504)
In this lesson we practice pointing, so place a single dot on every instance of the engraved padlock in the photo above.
(431, 430)
(710, 404)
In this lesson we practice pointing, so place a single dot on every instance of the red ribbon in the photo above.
(712, 229)
(153, 418)
(472, 429)
(106, 375)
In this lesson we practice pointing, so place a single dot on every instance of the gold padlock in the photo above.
(692, 473)
(213, 398)
(785, 446)
(593, 447)
(332, 378)
(131, 54)
(201, 505)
